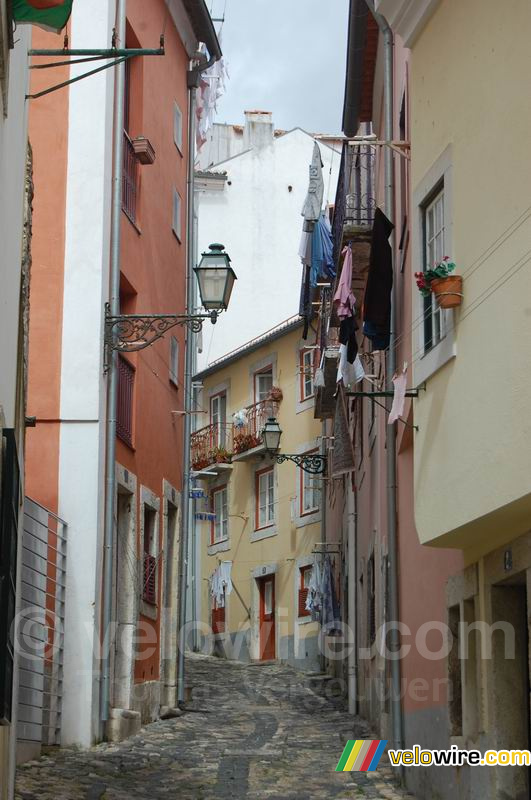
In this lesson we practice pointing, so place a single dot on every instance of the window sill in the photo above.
(263, 533)
(148, 609)
(436, 358)
(132, 221)
(308, 519)
(218, 547)
(305, 405)
(305, 620)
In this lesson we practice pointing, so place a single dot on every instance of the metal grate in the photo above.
(218, 620)
(129, 179)
(150, 579)
(40, 633)
(9, 507)
(124, 409)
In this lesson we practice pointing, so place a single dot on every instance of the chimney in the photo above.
(259, 130)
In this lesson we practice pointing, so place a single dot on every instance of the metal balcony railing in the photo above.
(248, 431)
(355, 202)
(129, 179)
(212, 444)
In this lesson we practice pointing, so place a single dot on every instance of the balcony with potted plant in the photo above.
(212, 449)
(249, 423)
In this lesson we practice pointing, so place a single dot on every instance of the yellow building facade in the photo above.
(260, 518)
(470, 177)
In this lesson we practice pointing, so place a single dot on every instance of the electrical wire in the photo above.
(473, 267)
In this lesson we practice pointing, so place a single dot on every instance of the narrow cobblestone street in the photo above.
(250, 732)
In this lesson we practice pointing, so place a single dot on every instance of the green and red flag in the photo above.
(52, 15)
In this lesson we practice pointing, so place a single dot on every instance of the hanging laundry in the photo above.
(377, 302)
(347, 336)
(311, 208)
(305, 248)
(221, 583)
(344, 299)
(322, 265)
(399, 397)
(350, 374)
(305, 303)
(330, 616)
(211, 88)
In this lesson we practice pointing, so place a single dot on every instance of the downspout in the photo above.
(324, 499)
(392, 534)
(193, 77)
(112, 378)
(352, 532)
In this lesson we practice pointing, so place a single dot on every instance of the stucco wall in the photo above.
(467, 100)
(291, 543)
(258, 219)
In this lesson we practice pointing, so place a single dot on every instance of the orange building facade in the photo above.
(71, 132)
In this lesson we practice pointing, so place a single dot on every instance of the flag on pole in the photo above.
(52, 15)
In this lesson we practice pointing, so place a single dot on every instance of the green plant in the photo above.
(440, 269)
(245, 441)
(220, 455)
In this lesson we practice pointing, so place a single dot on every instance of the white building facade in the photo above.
(251, 200)
(15, 198)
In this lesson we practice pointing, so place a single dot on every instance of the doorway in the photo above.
(511, 679)
(266, 587)
(169, 605)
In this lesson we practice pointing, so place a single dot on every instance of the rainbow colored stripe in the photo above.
(361, 755)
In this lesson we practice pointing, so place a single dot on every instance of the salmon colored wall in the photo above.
(154, 261)
(48, 134)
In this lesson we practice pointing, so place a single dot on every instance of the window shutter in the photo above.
(9, 509)
(178, 127)
(303, 594)
(150, 579)
(174, 361)
(176, 223)
(218, 620)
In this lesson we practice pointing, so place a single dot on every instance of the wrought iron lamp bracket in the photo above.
(313, 463)
(128, 333)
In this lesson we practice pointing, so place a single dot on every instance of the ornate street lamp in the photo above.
(216, 278)
(130, 332)
(311, 462)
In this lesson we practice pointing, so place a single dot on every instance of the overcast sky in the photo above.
(285, 56)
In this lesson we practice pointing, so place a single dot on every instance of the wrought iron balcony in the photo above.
(248, 427)
(212, 446)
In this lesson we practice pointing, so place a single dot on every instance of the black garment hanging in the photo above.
(377, 302)
(347, 335)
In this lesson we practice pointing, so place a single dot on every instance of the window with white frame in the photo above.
(174, 361)
(309, 492)
(307, 360)
(218, 419)
(265, 498)
(176, 220)
(178, 127)
(263, 383)
(220, 526)
(434, 252)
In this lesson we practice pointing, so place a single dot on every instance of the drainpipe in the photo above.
(324, 499)
(352, 663)
(112, 378)
(394, 644)
(193, 77)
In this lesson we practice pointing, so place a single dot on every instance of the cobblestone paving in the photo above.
(250, 732)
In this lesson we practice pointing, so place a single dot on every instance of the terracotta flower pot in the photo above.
(448, 291)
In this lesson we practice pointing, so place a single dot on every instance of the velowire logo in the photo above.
(361, 755)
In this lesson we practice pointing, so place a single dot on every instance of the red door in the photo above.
(267, 618)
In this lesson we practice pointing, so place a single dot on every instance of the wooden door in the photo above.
(267, 618)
